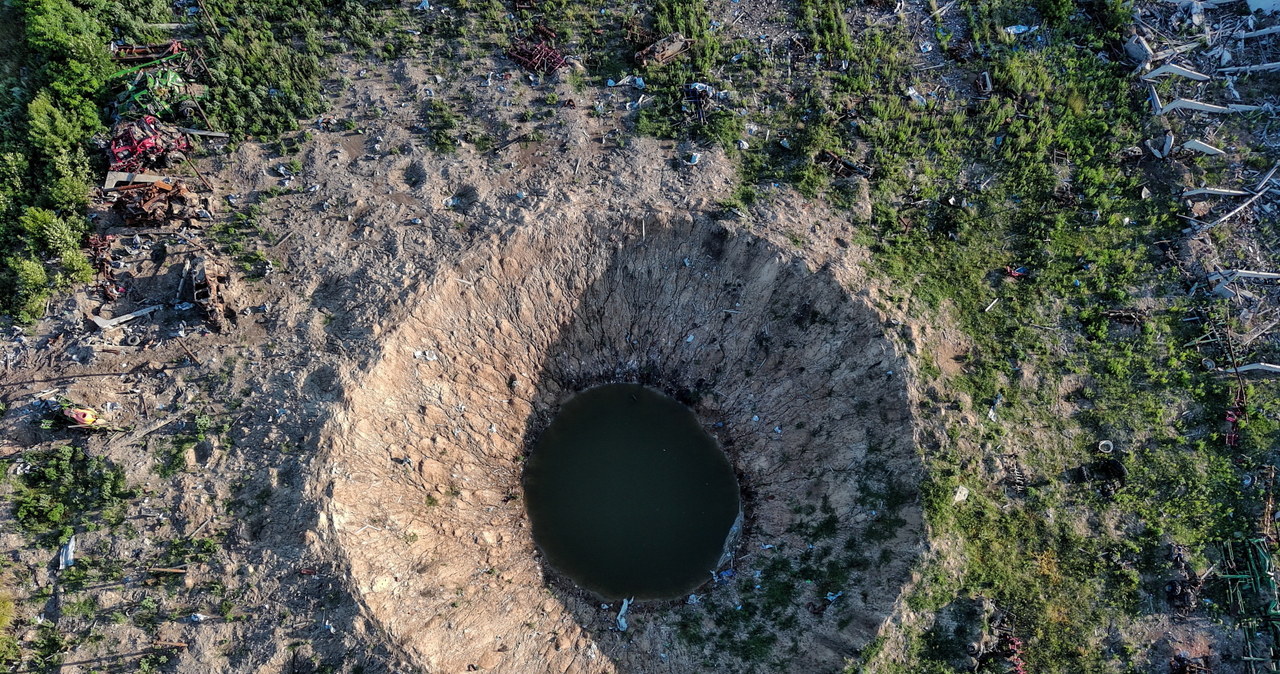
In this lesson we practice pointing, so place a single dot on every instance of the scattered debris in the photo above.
(160, 93)
(141, 53)
(663, 50)
(697, 97)
(1017, 477)
(83, 417)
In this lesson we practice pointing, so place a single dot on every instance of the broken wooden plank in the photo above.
(1254, 367)
(1154, 97)
(1257, 332)
(107, 324)
(1266, 178)
(1234, 274)
(1257, 33)
(116, 177)
(139, 433)
(1216, 192)
(1171, 69)
(1198, 106)
(1257, 68)
(1174, 51)
(209, 134)
(1202, 148)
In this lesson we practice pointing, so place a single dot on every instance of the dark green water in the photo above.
(628, 496)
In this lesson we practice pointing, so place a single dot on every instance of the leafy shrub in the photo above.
(67, 488)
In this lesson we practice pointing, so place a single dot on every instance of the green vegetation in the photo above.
(442, 124)
(65, 490)
(264, 64)
(53, 60)
(264, 73)
(10, 651)
(1032, 175)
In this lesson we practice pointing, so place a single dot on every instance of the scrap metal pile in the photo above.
(207, 281)
(159, 204)
(143, 53)
(541, 58)
(146, 144)
(663, 50)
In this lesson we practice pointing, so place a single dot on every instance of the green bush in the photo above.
(66, 489)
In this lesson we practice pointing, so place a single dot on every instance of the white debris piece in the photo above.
(622, 614)
(1171, 69)
(1188, 104)
(1202, 148)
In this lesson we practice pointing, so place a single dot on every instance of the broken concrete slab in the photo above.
(1165, 148)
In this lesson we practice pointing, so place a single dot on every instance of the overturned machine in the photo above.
(209, 281)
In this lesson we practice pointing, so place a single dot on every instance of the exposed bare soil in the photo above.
(382, 383)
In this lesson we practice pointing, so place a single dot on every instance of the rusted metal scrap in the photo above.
(146, 143)
(663, 50)
(134, 53)
(208, 280)
(1129, 316)
(837, 165)
(159, 204)
(541, 58)
(100, 253)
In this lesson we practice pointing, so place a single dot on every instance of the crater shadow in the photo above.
(792, 375)
(788, 369)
